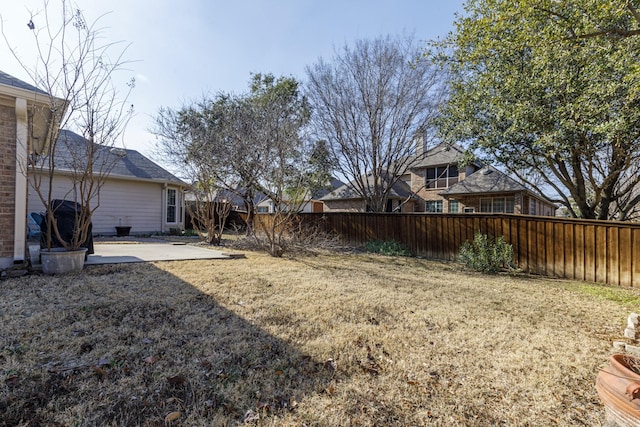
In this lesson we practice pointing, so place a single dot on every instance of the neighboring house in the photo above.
(315, 203)
(436, 184)
(21, 129)
(489, 190)
(435, 171)
(137, 192)
(346, 199)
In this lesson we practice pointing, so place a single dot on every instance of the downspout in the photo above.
(163, 219)
(20, 221)
(182, 213)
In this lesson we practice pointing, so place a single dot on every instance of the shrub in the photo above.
(387, 247)
(487, 254)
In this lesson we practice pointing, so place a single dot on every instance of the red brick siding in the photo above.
(7, 179)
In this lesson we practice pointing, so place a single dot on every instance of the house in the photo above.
(489, 190)
(346, 199)
(435, 183)
(21, 131)
(137, 192)
(314, 203)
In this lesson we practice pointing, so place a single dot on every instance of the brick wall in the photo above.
(7, 180)
(418, 179)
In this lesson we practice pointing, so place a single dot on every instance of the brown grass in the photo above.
(332, 340)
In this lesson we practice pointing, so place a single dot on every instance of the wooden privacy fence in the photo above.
(597, 251)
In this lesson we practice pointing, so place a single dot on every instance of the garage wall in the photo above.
(127, 203)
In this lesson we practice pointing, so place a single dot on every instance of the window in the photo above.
(431, 177)
(171, 205)
(434, 206)
(454, 206)
(510, 203)
(469, 210)
(262, 209)
(441, 176)
(532, 207)
(486, 205)
(497, 204)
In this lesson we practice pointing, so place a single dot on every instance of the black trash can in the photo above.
(65, 212)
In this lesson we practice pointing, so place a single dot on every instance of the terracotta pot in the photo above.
(619, 389)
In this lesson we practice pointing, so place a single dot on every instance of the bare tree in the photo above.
(373, 103)
(249, 145)
(75, 69)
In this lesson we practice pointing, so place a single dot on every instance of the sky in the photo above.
(183, 50)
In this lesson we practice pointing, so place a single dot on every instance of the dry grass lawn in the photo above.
(331, 340)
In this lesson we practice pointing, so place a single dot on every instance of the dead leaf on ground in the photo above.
(172, 416)
(100, 373)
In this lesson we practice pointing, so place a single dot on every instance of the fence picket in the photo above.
(598, 251)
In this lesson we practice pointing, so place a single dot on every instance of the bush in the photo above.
(387, 247)
(487, 254)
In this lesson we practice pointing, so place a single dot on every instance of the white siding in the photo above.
(129, 203)
(134, 204)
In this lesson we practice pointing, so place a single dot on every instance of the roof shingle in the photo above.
(485, 180)
(127, 163)
(399, 190)
(9, 80)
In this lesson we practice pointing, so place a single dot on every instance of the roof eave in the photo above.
(121, 177)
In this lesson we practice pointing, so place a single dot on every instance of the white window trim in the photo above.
(175, 206)
(492, 203)
(436, 203)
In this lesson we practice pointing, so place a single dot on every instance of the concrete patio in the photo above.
(127, 250)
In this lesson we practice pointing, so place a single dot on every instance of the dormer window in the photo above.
(441, 176)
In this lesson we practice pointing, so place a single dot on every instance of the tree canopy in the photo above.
(549, 89)
(252, 145)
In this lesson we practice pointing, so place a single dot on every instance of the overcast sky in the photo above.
(184, 49)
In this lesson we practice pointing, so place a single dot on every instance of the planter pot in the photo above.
(122, 231)
(619, 389)
(61, 261)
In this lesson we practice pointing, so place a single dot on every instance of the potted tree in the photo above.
(66, 169)
(618, 386)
